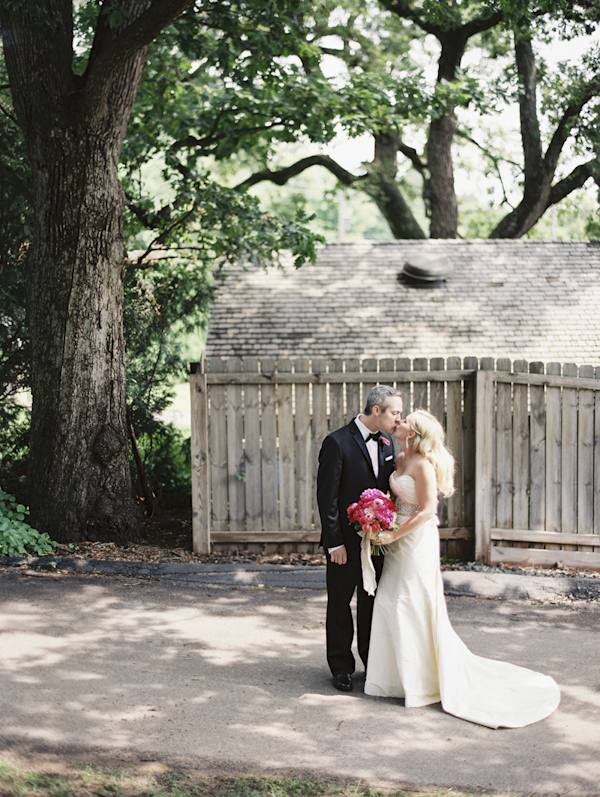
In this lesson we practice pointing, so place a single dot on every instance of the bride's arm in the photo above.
(426, 487)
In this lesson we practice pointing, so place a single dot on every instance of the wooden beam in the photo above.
(553, 537)
(525, 557)
(310, 535)
(546, 379)
(346, 377)
(200, 464)
(484, 457)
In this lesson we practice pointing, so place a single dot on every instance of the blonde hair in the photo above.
(429, 442)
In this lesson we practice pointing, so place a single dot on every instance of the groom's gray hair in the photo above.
(379, 396)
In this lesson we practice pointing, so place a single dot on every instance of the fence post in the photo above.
(200, 461)
(484, 457)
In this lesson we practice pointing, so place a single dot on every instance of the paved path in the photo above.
(209, 668)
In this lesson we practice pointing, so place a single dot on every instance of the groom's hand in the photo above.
(340, 557)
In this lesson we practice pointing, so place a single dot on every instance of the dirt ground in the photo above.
(167, 538)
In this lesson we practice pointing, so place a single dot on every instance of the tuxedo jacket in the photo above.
(345, 470)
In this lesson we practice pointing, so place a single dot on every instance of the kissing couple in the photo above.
(404, 635)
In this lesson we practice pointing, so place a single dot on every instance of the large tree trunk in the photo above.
(383, 189)
(80, 477)
(440, 189)
(80, 480)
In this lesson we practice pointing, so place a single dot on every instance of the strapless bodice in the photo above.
(405, 490)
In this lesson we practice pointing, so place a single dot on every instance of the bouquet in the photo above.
(373, 513)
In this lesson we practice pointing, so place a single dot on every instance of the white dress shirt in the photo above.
(373, 449)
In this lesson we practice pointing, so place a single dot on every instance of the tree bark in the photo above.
(383, 189)
(80, 484)
(440, 192)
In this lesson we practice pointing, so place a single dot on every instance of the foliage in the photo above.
(384, 82)
(17, 538)
(15, 234)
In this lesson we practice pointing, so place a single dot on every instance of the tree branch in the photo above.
(592, 89)
(576, 179)
(404, 10)
(282, 176)
(110, 53)
(413, 156)
(530, 128)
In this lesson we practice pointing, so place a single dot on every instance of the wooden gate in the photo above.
(257, 426)
(538, 460)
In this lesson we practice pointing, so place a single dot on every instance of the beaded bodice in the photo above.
(405, 494)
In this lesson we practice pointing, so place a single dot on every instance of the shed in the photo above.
(535, 300)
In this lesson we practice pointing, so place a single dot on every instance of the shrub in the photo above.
(17, 538)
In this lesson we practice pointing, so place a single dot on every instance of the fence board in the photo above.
(569, 455)
(218, 450)
(285, 428)
(200, 463)
(336, 397)
(268, 425)
(387, 365)
(437, 399)
(553, 453)
(484, 509)
(585, 456)
(504, 435)
(469, 447)
(354, 403)
(537, 452)
(420, 388)
(252, 458)
(437, 407)
(235, 449)
(454, 439)
(370, 367)
(520, 450)
(403, 384)
(319, 427)
(302, 450)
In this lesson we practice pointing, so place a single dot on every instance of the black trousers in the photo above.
(342, 582)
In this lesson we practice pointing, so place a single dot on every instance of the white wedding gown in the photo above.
(415, 653)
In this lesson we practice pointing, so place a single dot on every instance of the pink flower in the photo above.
(374, 512)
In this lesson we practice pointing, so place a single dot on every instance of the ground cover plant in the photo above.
(17, 537)
(104, 782)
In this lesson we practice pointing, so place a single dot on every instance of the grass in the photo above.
(100, 782)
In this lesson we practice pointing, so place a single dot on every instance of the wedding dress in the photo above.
(415, 653)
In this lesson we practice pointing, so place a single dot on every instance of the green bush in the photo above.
(17, 538)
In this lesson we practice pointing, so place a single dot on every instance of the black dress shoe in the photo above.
(343, 682)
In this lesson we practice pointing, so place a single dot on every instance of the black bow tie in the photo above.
(374, 436)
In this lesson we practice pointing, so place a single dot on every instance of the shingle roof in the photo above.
(535, 300)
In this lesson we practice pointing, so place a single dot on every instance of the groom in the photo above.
(352, 459)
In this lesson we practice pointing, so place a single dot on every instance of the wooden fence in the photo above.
(525, 438)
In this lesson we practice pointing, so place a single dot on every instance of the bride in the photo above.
(414, 652)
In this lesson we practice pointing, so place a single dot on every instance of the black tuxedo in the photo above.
(345, 470)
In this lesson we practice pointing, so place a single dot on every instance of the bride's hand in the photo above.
(384, 538)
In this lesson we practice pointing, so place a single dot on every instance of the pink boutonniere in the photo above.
(385, 441)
